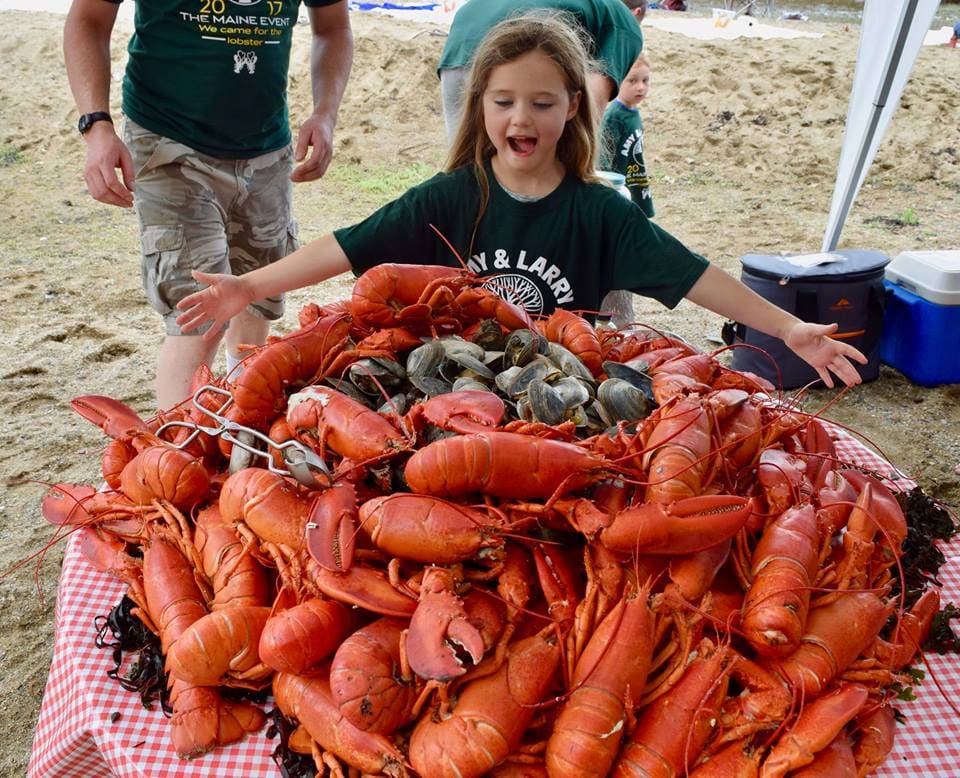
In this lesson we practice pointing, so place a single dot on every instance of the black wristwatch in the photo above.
(88, 119)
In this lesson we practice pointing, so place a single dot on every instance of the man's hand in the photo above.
(315, 134)
(224, 298)
(813, 344)
(105, 154)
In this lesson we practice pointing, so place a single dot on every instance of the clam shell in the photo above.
(454, 346)
(540, 367)
(567, 361)
(425, 360)
(430, 386)
(573, 391)
(466, 383)
(370, 376)
(490, 335)
(631, 373)
(622, 400)
(522, 346)
(457, 363)
(546, 404)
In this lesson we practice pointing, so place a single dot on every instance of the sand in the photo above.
(743, 138)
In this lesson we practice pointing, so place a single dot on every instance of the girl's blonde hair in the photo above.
(555, 35)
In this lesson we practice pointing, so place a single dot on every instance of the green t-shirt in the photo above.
(566, 250)
(616, 36)
(621, 136)
(212, 74)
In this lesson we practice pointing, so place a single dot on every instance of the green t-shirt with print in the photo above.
(617, 40)
(212, 74)
(621, 134)
(565, 250)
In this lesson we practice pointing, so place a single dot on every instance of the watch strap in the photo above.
(89, 119)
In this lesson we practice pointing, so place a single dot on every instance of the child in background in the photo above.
(621, 151)
(520, 202)
(621, 135)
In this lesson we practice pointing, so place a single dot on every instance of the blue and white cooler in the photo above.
(921, 329)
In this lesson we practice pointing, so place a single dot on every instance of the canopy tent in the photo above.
(891, 34)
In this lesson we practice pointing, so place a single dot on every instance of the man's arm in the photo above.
(602, 90)
(331, 56)
(86, 52)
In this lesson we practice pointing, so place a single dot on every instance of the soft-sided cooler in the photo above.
(846, 288)
(921, 331)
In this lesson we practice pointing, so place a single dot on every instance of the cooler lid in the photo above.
(932, 275)
(829, 266)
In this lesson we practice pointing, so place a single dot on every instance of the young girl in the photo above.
(520, 203)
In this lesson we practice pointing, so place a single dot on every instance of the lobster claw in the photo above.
(462, 412)
(440, 631)
(332, 527)
(112, 416)
(64, 504)
(682, 527)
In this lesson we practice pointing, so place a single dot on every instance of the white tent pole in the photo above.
(862, 134)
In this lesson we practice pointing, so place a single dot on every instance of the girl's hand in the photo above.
(224, 298)
(813, 344)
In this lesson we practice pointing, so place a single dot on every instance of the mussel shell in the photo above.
(632, 374)
(546, 404)
(622, 400)
(425, 360)
(522, 346)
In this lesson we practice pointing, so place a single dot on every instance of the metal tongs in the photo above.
(303, 463)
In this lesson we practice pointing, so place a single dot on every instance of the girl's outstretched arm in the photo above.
(721, 293)
(227, 295)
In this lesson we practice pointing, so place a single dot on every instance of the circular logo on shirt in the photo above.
(517, 289)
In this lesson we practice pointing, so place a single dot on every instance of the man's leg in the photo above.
(180, 199)
(261, 230)
(180, 356)
(245, 330)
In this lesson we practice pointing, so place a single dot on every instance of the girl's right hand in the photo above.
(224, 298)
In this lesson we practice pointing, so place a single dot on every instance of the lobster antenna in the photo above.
(449, 245)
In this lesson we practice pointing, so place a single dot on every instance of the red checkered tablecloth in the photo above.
(89, 726)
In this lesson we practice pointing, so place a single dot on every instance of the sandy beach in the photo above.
(743, 137)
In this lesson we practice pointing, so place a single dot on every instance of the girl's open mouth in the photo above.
(522, 145)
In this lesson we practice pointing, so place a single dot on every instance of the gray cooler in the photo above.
(844, 286)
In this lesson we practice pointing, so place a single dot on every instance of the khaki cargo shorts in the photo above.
(215, 215)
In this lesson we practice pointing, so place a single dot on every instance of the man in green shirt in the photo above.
(612, 28)
(207, 140)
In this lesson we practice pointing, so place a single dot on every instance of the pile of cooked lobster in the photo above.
(455, 541)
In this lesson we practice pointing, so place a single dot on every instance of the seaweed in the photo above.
(927, 522)
(290, 763)
(942, 638)
(143, 674)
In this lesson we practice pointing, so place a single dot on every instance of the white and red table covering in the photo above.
(79, 731)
